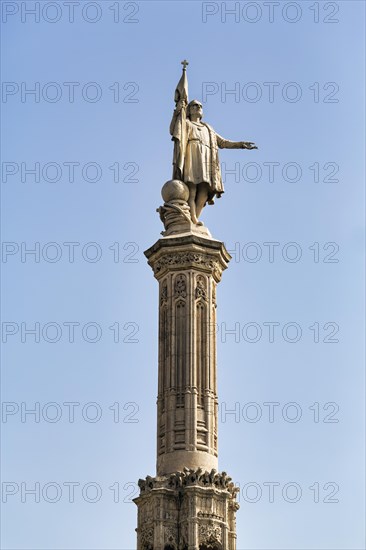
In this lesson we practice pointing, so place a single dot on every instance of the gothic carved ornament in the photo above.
(209, 534)
(147, 536)
(164, 294)
(187, 259)
(200, 291)
(189, 477)
(180, 287)
(170, 535)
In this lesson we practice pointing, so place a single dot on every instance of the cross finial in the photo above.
(184, 63)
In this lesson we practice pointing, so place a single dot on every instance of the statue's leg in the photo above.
(192, 201)
(201, 197)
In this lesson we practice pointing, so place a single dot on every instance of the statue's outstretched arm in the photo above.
(227, 144)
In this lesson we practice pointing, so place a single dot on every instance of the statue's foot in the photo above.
(199, 223)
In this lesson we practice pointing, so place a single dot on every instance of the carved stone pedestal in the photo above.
(188, 510)
(188, 506)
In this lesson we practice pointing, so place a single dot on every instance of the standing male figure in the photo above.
(196, 160)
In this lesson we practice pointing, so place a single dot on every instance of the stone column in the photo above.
(188, 505)
(188, 268)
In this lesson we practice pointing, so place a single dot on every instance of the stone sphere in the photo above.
(174, 190)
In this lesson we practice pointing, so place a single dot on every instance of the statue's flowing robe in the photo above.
(201, 160)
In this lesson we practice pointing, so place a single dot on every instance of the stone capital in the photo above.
(188, 251)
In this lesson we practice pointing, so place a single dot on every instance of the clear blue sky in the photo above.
(121, 71)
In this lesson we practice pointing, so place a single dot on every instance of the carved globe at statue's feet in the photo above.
(174, 190)
(176, 214)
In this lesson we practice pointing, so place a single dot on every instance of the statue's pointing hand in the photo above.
(248, 145)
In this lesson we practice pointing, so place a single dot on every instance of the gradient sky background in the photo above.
(328, 288)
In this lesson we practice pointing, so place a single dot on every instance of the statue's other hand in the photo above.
(249, 145)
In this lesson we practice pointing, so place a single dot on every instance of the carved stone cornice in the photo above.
(188, 252)
(187, 478)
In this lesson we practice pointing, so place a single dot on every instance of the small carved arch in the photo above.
(180, 286)
(201, 288)
(169, 547)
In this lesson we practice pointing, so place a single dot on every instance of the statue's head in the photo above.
(195, 106)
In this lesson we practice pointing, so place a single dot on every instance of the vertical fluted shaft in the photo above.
(188, 269)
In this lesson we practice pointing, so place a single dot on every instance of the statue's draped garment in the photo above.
(195, 157)
(200, 162)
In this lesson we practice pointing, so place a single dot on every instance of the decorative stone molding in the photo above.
(170, 535)
(147, 536)
(189, 477)
(185, 252)
(184, 260)
(209, 534)
(210, 516)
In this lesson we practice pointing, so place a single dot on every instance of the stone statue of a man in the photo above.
(195, 159)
